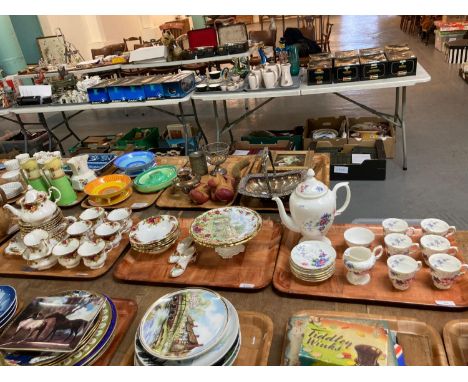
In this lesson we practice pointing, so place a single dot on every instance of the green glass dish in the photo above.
(155, 179)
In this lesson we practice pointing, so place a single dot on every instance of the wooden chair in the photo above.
(325, 43)
(177, 28)
(130, 39)
(107, 50)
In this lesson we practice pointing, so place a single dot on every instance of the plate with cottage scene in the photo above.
(184, 324)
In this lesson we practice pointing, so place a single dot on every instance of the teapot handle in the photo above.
(348, 197)
(52, 188)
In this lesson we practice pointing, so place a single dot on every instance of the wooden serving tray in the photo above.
(379, 290)
(126, 312)
(257, 334)
(422, 345)
(321, 166)
(175, 199)
(16, 266)
(252, 269)
(139, 201)
(456, 342)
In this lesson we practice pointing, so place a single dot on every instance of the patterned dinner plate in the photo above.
(225, 227)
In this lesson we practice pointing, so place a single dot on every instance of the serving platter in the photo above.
(321, 165)
(456, 342)
(379, 290)
(422, 345)
(252, 269)
(257, 335)
(171, 198)
(16, 266)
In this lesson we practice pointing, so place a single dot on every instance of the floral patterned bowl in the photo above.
(153, 230)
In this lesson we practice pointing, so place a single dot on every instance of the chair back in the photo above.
(131, 45)
(268, 37)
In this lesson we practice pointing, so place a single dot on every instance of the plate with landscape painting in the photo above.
(184, 324)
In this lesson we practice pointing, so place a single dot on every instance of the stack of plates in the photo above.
(8, 304)
(155, 234)
(313, 261)
(56, 226)
(76, 329)
(190, 327)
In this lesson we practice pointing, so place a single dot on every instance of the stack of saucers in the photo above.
(56, 226)
(8, 304)
(313, 261)
(155, 234)
(190, 327)
(89, 319)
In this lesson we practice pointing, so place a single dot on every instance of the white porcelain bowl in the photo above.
(12, 189)
(359, 237)
(153, 229)
(119, 214)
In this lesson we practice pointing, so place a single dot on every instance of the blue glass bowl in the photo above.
(135, 162)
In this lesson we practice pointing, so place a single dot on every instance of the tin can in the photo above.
(198, 163)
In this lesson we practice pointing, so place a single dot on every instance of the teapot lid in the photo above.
(311, 187)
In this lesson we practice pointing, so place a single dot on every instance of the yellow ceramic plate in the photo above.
(108, 186)
(110, 202)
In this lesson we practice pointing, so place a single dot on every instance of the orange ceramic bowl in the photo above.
(108, 186)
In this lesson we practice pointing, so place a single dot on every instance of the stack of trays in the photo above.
(8, 304)
(56, 226)
(155, 234)
(190, 327)
(79, 326)
(313, 261)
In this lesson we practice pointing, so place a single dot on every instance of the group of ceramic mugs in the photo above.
(91, 237)
(436, 249)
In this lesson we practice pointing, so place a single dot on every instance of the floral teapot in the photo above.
(313, 208)
(36, 206)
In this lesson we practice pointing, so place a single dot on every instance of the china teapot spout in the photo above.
(285, 218)
(13, 210)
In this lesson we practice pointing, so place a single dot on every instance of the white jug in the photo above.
(286, 78)
(269, 78)
(253, 81)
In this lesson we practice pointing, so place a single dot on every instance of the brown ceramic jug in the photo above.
(6, 219)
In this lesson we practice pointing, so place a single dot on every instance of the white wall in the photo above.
(89, 32)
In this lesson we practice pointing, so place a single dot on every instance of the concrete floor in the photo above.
(437, 116)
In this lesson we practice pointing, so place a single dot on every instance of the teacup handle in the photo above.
(71, 219)
(414, 248)
(451, 231)
(452, 250)
(378, 252)
(419, 265)
(410, 231)
(463, 266)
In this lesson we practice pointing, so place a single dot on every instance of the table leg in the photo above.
(182, 119)
(65, 120)
(397, 105)
(195, 115)
(51, 135)
(23, 131)
(226, 117)
(403, 127)
(218, 131)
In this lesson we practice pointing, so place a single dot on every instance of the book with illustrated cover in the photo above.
(343, 343)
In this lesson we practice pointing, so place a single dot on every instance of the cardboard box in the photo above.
(343, 168)
(389, 142)
(153, 53)
(336, 123)
(255, 148)
(442, 37)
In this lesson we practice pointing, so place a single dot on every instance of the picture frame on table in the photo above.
(291, 160)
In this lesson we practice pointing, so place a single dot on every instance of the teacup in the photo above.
(80, 230)
(11, 165)
(359, 261)
(402, 270)
(393, 225)
(121, 216)
(437, 227)
(37, 241)
(445, 269)
(109, 232)
(95, 215)
(22, 157)
(214, 87)
(359, 237)
(94, 253)
(66, 252)
(215, 74)
(432, 244)
(400, 244)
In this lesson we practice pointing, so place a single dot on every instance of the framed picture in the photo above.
(176, 131)
(52, 49)
(291, 160)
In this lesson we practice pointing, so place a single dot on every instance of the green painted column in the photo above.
(198, 22)
(11, 56)
(27, 29)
